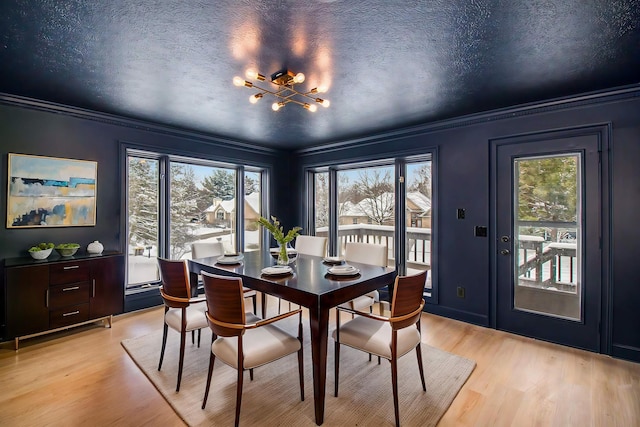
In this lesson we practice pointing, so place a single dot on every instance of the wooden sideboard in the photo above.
(44, 296)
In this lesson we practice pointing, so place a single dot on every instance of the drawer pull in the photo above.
(71, 267)
(73, 288)
(71, 313)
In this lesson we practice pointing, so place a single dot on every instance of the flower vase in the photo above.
(286, 254)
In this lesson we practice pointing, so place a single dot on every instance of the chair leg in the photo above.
(336, 358)
(212, 360)
(199, 333)
(301, 362)
(183, 338)
(251, 374)
(394, 380)
(255, 304)
(419, 353)
(164, 344)
(193, 337)
(239, 394)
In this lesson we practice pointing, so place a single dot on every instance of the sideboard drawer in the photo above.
(69, 272)
(68, 315)
(69, 294)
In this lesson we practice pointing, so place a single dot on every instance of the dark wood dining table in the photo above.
(310, 286)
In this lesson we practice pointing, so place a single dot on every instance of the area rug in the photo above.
(273, 397)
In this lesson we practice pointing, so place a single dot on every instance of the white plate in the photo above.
(233, 259)
(343, 270)
(277, 270)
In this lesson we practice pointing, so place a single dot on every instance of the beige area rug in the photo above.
(273, 397)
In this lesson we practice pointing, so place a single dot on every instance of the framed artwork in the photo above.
(50, 192)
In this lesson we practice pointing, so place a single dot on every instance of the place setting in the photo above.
(230, 259)
(277, 270)
(343, 271)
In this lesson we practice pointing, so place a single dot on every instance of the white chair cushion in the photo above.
(374, 336)
(261, 345)
(196, 318)
(362, 302)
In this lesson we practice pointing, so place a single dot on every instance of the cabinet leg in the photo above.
(109, 321)
(15, 343)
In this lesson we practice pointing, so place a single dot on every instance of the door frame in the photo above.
(604, 134)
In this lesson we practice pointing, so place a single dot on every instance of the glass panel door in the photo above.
(548, 210)
(418, 220)
(547, 234)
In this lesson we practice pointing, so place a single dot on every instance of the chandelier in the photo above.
(285, 92)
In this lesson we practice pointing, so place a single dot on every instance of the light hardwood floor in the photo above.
(84, 377)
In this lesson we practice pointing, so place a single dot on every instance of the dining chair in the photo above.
(242, 340)
(216, 249)
(365, 253)
(311, 245)
(387, 337)
(181, 312)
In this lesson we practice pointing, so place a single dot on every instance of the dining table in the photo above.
(310, 285)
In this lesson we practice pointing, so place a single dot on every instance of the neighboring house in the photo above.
(418, 210)
(222, 212)
(364, 212)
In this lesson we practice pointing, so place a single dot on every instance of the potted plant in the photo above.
(279, 235)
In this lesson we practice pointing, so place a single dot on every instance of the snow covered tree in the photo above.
(376, 188)
(143, 202)
(221, 184)
(184, 209)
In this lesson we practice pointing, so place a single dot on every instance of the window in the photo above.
(252, 210)
(367, 208)
(143, 201)
(198, 203)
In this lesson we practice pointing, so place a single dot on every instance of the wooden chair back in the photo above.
(174, 278)
(225, 304)
(206, 249)
(366, 253)
(311, 245)
(408, 298)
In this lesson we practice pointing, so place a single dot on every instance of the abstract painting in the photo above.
(51, 192)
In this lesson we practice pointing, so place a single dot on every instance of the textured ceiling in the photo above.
(386, 64)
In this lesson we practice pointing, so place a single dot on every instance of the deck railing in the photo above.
(418, 240)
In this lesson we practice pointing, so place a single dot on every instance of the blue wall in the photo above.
(464, 163)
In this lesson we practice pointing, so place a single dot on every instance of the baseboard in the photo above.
(626, 352)
(464, 316)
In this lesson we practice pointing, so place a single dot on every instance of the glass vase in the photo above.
(286, 254)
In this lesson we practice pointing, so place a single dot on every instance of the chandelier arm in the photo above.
(263, 90)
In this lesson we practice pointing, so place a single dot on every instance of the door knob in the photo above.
(505, 252)
(505, 239)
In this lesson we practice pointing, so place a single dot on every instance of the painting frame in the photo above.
(47, 191)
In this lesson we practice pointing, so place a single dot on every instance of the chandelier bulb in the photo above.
(310, 107)
(253, 74)
(324, 102)
(238, 81)
(298, 78)
(254, 98)
(277, 105)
